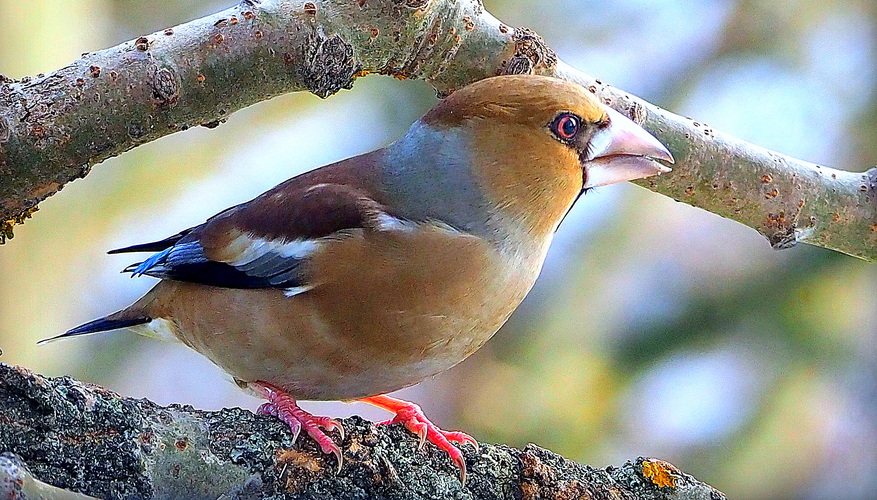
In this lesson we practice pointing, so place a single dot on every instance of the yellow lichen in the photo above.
(6, 226)
(660, 473)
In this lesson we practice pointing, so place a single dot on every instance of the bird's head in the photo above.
(535, 143)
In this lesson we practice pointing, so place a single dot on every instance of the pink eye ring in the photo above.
(566, 126)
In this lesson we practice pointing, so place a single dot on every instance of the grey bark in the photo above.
(76, 437)
(55, 127)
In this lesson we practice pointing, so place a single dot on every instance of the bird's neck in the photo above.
(428, 176)
(431, 175)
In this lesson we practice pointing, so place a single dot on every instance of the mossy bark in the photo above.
(82, 438)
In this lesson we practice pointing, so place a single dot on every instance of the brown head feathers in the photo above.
(522, 99)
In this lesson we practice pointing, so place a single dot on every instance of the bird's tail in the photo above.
(121, 319)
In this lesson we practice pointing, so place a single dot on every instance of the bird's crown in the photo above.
(527, 100)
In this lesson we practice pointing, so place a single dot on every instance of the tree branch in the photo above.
(784, 199)
(82, 437)
(54, 127)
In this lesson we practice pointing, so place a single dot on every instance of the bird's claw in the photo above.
(325, 442)
(267, 409)
(335, 450)
(411, 416)
(462, 438)
(287, 410)
(330, 424)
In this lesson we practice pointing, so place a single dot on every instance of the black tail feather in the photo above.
(153, 246)
(100, 325)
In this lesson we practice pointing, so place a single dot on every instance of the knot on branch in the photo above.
(781, 231)
(327, 64)
(165, 87)
(531, 54)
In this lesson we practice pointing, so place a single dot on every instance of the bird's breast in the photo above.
(387, 309)
(412, 304)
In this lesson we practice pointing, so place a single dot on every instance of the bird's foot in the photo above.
(412, 417)
(282, 406)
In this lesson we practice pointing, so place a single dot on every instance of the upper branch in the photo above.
(784, 199)
(54, 127)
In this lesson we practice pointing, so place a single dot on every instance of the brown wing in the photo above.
(264, 242)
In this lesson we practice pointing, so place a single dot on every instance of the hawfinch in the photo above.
(371, 274)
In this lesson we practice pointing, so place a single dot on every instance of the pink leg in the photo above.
(415, 421)
(282, 406)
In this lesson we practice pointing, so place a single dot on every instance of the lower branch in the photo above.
(84, 438)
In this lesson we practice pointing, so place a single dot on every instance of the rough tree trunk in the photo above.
(82, 437)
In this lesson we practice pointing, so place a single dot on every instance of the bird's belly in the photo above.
(386, 317)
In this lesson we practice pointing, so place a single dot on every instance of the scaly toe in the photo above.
(282, 406)
(461, 437)
(412, 417)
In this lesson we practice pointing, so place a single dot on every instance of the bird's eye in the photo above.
(566, 126)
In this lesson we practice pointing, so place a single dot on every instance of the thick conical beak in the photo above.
(623, 151)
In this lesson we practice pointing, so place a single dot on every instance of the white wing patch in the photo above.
(257, 249)
(386, 222)
(293, 291)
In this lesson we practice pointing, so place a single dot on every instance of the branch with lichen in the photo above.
(54, 127)
(63, 439)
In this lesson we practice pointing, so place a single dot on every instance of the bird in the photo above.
(371, 274)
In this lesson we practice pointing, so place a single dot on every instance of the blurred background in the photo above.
(656, 329)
